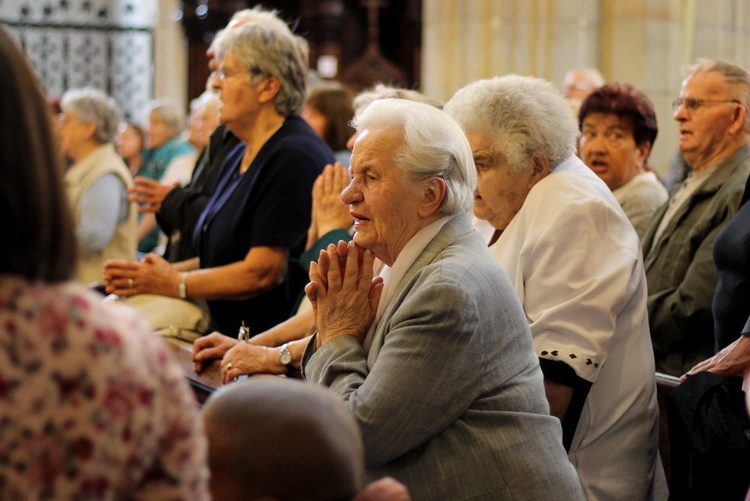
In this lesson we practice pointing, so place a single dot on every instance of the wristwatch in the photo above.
(285, 357)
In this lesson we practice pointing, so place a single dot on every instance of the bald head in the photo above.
(276, 438)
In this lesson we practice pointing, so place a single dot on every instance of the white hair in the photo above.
(169, 112)
(528, 116)
(91, 105)
(433, 146)
(208, 99)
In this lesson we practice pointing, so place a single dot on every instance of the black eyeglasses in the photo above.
(693, 104)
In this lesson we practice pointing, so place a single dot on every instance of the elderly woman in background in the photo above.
(576, 265)
(261, 202)
(130, 143)
(166, 122)
(328, 111)
(433, 357)
(204, 118)
(97, 181)
(618, 129)
(93, 406)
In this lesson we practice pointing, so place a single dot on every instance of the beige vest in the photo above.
(103, 160)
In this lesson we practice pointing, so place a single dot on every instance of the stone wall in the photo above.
(643, 42)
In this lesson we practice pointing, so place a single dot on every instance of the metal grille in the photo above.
(106, 44)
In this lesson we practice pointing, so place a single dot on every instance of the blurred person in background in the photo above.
(578, 83)
(164, 142)
(178, 208)
(130, 143)
(96, 182)
(329, 110)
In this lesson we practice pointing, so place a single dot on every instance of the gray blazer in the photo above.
(449, 396)
(680, 268)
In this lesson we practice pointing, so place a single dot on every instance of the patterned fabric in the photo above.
(91, 404)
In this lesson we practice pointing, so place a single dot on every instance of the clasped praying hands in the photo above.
(343, 292)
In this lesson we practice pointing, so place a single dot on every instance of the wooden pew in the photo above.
(210, 379)
(206, 382)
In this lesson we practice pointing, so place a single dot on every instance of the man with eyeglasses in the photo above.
(714, 133)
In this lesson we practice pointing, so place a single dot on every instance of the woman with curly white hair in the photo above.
(576, 265)
(97, 181)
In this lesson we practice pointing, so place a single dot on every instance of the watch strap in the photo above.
(285, 357)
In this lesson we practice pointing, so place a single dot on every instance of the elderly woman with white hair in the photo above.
(433, 357)
(575, 262)
(279, 350)
(97, 181)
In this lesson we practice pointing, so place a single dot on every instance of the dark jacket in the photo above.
(182, 206)
(680, 269)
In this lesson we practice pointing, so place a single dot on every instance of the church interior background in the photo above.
(137, 50)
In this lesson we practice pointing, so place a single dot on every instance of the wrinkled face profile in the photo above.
(381, 200)
(704, 116)
(73, 133)
(609, 149)
(501, 191)
(238, 96)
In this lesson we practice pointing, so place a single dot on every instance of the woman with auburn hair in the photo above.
(92, 405)
(618, 129)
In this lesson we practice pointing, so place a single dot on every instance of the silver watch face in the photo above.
(285, 357)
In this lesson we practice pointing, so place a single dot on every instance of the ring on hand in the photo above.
(130, 282)
(229, 366)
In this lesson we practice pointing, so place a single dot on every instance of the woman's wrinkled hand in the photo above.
(153, 275)
(343, 292)
(249, 359)
(328, 211)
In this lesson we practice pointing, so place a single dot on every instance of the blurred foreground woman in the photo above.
(91, 405)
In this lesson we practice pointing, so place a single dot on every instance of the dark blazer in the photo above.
(182, 206)
(267, 205)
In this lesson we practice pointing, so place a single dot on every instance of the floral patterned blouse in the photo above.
(92, 406)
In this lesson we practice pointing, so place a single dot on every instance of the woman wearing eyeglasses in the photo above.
(618, 129)
(262, 197)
